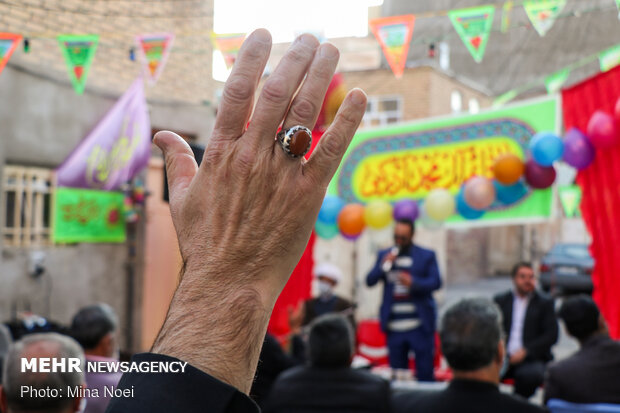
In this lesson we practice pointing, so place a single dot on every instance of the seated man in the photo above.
(51, 389)
(532, 329)
(329, 384)
(94, 327)
(472, 343)
(328, 277)
(592, 374)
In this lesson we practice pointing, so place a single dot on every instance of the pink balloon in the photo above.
(537, 176)
(602, 130)
(479, 193)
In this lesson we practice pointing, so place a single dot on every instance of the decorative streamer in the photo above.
(78, 51)
(473, 26)
(228, 45)
(8, 44)
(609, 58)
(542, 13)
(505, 98)
(507, 9)
(154, 50)
(394, 35)
(554, 81)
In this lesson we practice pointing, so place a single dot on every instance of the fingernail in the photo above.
(328, 51)
(262, 36)
(308, 40)
(358, 96)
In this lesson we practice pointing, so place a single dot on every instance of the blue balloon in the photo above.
(326, 231)
(510, 194)
(465, 210)
(328, 214)
(546, 148)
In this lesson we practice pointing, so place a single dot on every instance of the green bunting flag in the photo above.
(78, 51)
(8, 44)
(542, 13)
(473, 26)
(570, 198)
(554, 81)
(609, 58)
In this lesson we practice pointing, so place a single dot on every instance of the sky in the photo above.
(285, 19)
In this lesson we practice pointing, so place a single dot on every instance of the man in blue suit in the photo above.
(408, 312)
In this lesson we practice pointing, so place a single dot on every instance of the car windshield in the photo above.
(574, 251)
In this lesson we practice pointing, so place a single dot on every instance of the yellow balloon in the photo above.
(378, 214)
(439, 204)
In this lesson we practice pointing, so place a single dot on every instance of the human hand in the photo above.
(245, 216)
(405, 278)
(518, 356)
(296, 317)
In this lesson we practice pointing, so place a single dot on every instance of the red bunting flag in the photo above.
(8, 44)
(228, 45)
(394, 35)
(154, 50)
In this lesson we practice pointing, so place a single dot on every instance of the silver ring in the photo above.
(295, 141)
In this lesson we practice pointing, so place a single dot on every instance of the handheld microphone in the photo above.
(387, 265)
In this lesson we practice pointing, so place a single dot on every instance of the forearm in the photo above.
(217, 324)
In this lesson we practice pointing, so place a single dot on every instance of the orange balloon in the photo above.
(351, 219)
(508, 169)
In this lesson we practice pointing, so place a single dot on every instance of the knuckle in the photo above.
(333, 147)
(238, 90)
(304, 108)
(275, 91)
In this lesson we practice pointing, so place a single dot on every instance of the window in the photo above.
(474, 106)
(456, 101)
(27, 198)
(383, 110)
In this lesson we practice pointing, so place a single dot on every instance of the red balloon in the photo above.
(617, 113)
(537, 176)
(602, 130)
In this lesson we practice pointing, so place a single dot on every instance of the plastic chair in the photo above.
(561, 406)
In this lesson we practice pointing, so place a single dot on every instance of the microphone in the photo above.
(388, 264)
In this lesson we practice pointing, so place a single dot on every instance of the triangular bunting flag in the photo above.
(228, 45)
(570, 198)
(507, 9)
(154, 50)
(394, 35)
(542, 13)
(618, 4)
(554, 81)
(8, 44)
(609, 58)
(505, 98)
(79, 51)
(473, 26)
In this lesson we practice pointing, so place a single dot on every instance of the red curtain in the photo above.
(600, 183)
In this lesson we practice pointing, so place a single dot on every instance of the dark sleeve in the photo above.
(539, 347)
(551, 386)
(376, 273)
(298, 349)
(431, 281)
(187, 392)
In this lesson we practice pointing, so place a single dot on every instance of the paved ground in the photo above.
(487, 288)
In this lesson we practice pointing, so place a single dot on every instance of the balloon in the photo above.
(378, 214)
(546, 148)
(428, 222)
(508, 168)
(326, 231)
(332, 205)
(537, 176)
(578, 151)
(617, 112)
(479, 193)
(351, 237)
(602, 130)
(465, 210)
(351, 219)
(509, 194)
(439, 204)
(406, 209)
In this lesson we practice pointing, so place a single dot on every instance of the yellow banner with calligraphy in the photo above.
(408, 161)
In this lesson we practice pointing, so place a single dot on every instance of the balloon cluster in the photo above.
(511, 178)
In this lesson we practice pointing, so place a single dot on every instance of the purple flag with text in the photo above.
(116, 150)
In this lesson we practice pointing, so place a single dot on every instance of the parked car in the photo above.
(567, 269)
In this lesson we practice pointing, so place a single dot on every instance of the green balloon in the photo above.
(326, 231)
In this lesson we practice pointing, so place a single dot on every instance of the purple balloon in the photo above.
(406, 209)
(578, 150)
(537, 176)
(350, 237)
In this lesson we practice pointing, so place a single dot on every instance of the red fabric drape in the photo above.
(600, 183)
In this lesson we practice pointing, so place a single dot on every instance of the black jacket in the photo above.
(540, 327)
(463, 396)
(591, 375)
(309, 389)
